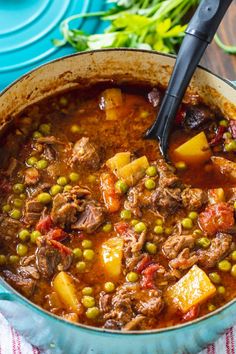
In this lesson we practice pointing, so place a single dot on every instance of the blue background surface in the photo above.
(27, 28)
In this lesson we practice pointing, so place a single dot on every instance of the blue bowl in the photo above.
(56, 335)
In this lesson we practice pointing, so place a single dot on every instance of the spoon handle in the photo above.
(199, 34)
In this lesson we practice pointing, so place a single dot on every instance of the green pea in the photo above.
(24, 235)
(92, 179)
(181, 166)
(32, 161)
(67, 188)
(15, 214)
(14, 259)
(221, 290)
(41, 164)
(18, 203)
(134, 222)
(109, 287)
(74, 177)
(88, 254)
(121, 187)
(77, 252)
(233, 271)
(44, 198)
(3, 259)
(92, 312)
(150, 184)
(54, 190)
(107, 227)
(87, 290)
(225, 266)
(211, 307)
(87, 244)
(231, 146)
(140, 227)
(193, 215)
(125, 214)
(151, 248)
(18, 188)
(203, 242)
(88, 301)
(227, 135)
(6, 208)
(45, 129)
(21, 249)
(80, 266)
(75, 129)
(197, 232)
(151, 171)
(158, 229)
(132, 277)
(168, 230)
(34, 235)
(22, 196)
(187, 223)
(37, 135)
(63, 101)
(224, 123)
(215, 278)
(233, 256)
(62, 181)
(159, 222)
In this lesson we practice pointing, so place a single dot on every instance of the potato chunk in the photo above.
(195, 150)
(64, 286)
(134, 171)
(118, 161)
(193, 289)
(111, 100)
(112, 253)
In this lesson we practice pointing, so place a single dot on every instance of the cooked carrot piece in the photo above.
(110, 197)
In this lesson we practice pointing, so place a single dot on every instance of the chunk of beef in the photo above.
(63, 212)
(167, 178)
(50, 140)
(176, 243)
(196, 116)
(50, 153)
(32, 176)
(49, 259)
(85, 154)
(113, 324)
(154, 97)
(225, 166)
(29, 271)
(149, 303)
(33, 211)
(167, 200)
(104, 302)
(24, 285)
(220, 247)
(137, 198)
(8, 227)
(13, 165)
(193, 198)
(184, 260)
(134, 323)
(91, 218)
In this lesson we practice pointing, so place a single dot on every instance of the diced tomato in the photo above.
(44, 225)
(62, 248)
(110, 197)
(216, 217)
(147, 281)
(232, 127)
(180, 116)
(57, 234)
(121, 227)
(145, 261)
(191, 314)
(218, 136)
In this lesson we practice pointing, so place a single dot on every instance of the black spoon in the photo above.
(199, 34)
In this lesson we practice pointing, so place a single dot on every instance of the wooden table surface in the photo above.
(215, 59)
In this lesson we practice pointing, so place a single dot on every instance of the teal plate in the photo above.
(27, 28)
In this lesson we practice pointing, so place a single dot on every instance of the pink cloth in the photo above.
(12, 343)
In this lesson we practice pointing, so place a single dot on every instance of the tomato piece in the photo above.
(145, 261)
(191, 314)
(218, 136)
(216, 217)
(44, 225)
(57, 234)
(147, 281)
(121, 227)
(62, 248)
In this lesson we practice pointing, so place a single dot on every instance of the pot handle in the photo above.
(5, 294)
(233, 82)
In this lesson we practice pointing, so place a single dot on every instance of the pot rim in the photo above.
(84, 327)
